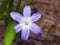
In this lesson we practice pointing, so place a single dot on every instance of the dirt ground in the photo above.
(49, 22)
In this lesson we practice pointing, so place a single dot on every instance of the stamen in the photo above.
(26, 22)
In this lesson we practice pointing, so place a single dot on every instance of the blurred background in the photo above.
(49, 22)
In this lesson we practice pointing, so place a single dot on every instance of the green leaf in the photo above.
(10, 33)
(18, 5)
(10, 5)
(30, 2)
(3, 6)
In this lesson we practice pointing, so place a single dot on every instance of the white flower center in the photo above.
(26, 22)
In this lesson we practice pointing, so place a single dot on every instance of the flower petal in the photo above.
(36, 29)
(17, 28)
(16, 16)
(27, 11)
(35, 16)
(25, 34)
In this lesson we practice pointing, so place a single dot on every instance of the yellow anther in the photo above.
(26, 22)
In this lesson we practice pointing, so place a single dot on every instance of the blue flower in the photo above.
(26, 22)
